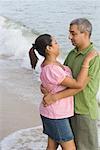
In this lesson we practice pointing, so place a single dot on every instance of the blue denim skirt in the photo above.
(57, 129)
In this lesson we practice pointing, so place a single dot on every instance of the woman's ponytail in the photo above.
(33, 57)
(34, 46)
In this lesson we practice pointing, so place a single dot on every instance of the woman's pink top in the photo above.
(51, 76)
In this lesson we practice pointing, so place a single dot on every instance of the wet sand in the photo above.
(19, 101)
(16, 115)
(17, 105)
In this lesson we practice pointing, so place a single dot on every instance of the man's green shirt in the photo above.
(85, 101)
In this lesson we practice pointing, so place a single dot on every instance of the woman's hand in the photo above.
(89, 57)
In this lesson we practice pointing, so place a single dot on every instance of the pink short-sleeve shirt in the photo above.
(51, 76)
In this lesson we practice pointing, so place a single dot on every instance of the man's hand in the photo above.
(48, 99)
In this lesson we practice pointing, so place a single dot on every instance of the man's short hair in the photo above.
(83, 25)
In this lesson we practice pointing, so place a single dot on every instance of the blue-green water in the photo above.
(53, 16)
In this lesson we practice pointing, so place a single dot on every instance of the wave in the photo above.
(31, 138)
(15, 40)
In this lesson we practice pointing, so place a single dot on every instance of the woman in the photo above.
(56, 77)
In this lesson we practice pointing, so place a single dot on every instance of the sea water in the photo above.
(21, 21)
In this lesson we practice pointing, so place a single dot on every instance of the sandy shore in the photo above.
(15, 115)
(17, 105)
(19, 101)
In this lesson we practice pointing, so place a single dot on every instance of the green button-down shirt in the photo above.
(85, 101)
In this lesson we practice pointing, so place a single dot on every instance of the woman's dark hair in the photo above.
(41, 43)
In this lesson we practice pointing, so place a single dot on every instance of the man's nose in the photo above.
(70, 36)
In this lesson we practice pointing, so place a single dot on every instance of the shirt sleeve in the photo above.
(94, 69)
(94, 73)
(55, 74)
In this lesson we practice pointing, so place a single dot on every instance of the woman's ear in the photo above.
(48, 47)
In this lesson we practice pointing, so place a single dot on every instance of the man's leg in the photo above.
(85, 132)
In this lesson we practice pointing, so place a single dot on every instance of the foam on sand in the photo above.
(26, 139)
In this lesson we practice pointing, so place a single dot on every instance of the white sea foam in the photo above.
(15, 40)
(25, 139)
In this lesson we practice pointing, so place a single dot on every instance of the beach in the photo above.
(16, 114)
(18, 109)
(20, 124)
(17, 106)
(20, 23)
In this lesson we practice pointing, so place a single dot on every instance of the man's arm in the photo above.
(52, 98)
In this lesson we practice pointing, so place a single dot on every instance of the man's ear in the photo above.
(86, 33)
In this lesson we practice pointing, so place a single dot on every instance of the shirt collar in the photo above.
(84, 51)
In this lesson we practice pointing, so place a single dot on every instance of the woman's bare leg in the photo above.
(68, 145)
(52, 145)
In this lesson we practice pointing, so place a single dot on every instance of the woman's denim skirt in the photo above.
(57, 129)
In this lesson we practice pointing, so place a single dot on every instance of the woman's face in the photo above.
(55, 47)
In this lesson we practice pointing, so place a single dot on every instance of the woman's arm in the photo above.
(52, 98)
(82, 76)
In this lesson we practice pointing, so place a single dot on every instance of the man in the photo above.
(84, 121)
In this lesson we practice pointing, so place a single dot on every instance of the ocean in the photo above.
(21, 21)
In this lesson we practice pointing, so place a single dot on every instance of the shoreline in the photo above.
(16, 115)
(18, 96)
(19, 101)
